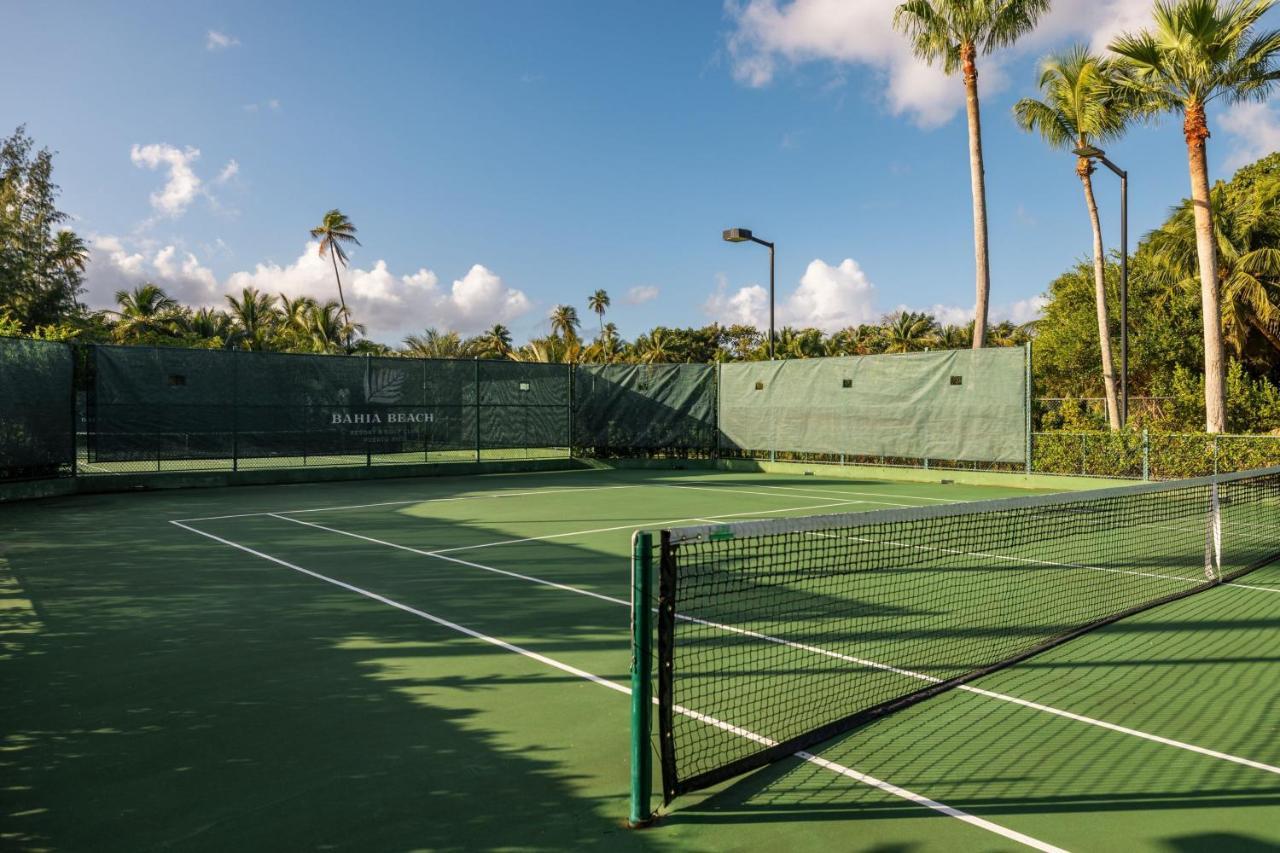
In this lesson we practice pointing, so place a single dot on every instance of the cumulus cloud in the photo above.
(768, 36)
(219, 41)
(828, 298)
(1254, 130)
(182, 184)
(833, 297)
(641, 294)
(390, 305)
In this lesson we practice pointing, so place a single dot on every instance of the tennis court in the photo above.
(443, 663)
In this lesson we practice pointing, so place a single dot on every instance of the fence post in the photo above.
(477, 389)
(1026, 406)
(1146, 454)
(75, 412)
(235, 411)
(641, 682)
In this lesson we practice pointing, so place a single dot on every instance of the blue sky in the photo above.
(502, 157)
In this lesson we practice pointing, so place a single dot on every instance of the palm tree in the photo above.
(496, 342)
(954, 32)
(145, 309)
(907, 331)
(1196, 52)
(255, 316)
(1248, 262)
(435, 344)
(327, 327)
(1082, 107)
(564, 322)
(333, 232)
(654, 348)
(599, 303)
(70, 253)
(208, 323)
(955, 337)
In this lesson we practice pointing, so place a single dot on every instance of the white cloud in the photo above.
(272, 104)
(182, 185)
(828, 298)
(769, 35)
(833, 297)
(1255, 132)
(641, 294)
(219, 41)
(390, 305)
(228, 172)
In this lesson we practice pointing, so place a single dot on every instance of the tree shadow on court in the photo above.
(180, 696)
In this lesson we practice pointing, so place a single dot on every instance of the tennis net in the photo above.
(776, 635)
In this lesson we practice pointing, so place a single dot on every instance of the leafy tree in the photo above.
(907, 331)
(1196, 52)
(599, 303)
(334, 232)
(255, 319)
(436, 344)
(1082, 106)
(495, 343)
(953, 33)
(41, 271)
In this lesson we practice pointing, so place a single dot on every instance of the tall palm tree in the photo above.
(1248, 261)
(327, 328)
(255, 316)
(655, 347)
(333, 232)
(955, 337)
(954, 32)
(564, 322)
(208, 323)
(496, 342)
(1196, 52)
(1082, 107)
(599, 303)
(145, 309)
(906, 331)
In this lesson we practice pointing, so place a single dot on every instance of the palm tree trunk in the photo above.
(345, 314)
(979, 189)
(1100, 298)
(1196, 131)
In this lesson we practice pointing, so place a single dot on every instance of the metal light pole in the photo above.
(744, 235)
(1094, 153)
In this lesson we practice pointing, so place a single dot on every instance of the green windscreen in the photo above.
(620, 409)
(951, 405)
(36, 411)
(158, 403)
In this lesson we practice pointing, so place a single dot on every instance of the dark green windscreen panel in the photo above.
(622, 408)
(36, 412)
(950, 405)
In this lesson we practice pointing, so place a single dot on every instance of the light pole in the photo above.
(744, 235)
(1092, 152)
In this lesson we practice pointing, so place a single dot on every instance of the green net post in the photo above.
(1027, 408)
(641, 672)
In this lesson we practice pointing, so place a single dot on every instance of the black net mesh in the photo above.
(776, 635)
(37, 436)
(629, 409)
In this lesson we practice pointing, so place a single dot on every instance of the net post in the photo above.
(1027, 407)
(641, 678)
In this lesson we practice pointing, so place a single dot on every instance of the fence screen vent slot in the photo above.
(957, 380)
(176, 379)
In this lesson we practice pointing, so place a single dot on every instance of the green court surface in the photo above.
(442, 664)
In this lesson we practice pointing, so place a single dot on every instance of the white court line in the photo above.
(547, 491)
(736, 491)
(655, 524)
(818, 650)
(869, 494)
(832, 766)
